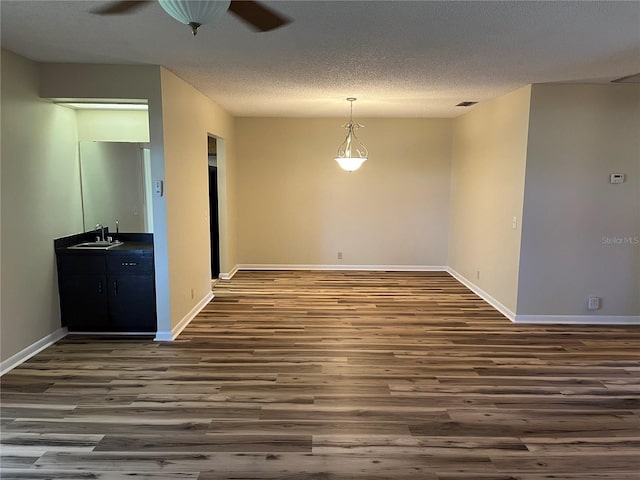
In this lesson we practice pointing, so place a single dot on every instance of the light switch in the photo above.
(158, 187)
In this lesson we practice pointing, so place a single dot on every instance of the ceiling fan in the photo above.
(195, 13)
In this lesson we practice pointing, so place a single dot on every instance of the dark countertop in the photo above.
(133, 243)
(127, 248)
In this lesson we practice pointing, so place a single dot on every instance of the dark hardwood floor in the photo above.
(332, 375)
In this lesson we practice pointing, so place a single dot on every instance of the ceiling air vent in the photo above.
(466, 104)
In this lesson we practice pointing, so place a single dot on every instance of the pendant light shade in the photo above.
(350, 164)
(351, 153)
(195, 12)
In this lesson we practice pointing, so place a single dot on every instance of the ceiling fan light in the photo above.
(195, 12)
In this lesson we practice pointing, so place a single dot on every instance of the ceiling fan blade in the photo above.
(258, 16)
(122, 7)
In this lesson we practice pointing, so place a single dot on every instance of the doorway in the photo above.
(214, 226)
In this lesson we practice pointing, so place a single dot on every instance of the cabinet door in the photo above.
(132, 303)
(83, 300)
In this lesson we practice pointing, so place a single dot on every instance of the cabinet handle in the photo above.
(115, 287)
(100, 286)
(128, 264)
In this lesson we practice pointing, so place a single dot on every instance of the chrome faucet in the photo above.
(101, 227)
(117, 226)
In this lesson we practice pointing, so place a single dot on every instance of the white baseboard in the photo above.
(548, 319)
(375, 268)
(36, 347)
(28, 352)
(113, 333)
(228, 275)
(482, 294)
(169, 336)
(580, 319)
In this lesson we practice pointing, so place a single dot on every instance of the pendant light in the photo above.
(351, 153)
(195, 12)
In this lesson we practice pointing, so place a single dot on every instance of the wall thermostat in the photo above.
(616, 178)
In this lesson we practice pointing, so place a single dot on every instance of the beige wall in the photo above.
(40, 201)
(579, 134)
(487, 189)
(188, 117)
(296, 206)
(113, 125)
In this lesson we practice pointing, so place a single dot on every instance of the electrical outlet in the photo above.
(192, 294)
(339, 255)
(593, 303)
(616, 178)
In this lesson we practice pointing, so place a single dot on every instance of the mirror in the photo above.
(116, 185)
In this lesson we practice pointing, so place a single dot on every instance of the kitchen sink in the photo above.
(99, 245)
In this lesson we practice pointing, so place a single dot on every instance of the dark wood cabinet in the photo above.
(107, 291)
(83, 302)
(131, 288)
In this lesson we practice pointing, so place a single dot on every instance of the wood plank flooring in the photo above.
(327, 376)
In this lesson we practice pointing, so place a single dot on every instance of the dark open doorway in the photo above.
(213, 206)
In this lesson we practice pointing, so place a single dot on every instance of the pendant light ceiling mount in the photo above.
(351, 153)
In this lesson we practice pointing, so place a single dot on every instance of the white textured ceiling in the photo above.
(401, 59)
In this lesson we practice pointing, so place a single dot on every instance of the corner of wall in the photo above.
(487, 191)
